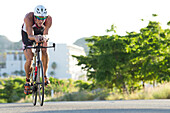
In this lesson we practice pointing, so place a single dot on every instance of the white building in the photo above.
(61, 63)
(15, 61)
(65, 64)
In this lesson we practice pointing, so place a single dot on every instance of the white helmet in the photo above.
(40, 10)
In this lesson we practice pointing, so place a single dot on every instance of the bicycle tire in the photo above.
(34, 90)
(40, 84)
(34, 95)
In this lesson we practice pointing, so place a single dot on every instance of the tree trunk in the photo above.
(125, 89)
(154, 83)
(143, 84)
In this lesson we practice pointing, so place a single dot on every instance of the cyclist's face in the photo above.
(40, 20)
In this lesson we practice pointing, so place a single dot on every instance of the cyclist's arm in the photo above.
(47, 25)
(28, 21)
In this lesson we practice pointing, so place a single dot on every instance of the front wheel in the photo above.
(40, 83)
(34, 86)
(34, 94)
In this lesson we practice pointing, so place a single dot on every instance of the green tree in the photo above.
(124, 61)
(106, 61)
(52, 73)
(82, 85)
(22, 73)
(16, 72)
(5, 74)
(149, 53)
(54, 65)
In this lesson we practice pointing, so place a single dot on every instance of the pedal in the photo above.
(34, 88)
(31, 84)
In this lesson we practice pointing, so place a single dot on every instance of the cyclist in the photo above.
(35, 29)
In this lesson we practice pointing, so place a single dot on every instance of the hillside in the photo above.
(82, 43)
(7, 44)
(16, 46)
(4, 43)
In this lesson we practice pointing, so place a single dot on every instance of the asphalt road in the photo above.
(121, 106)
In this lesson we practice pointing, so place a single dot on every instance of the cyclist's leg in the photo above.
(28, 53)
(45, 60)
(29, 57)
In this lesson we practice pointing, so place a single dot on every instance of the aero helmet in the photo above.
(40, 10)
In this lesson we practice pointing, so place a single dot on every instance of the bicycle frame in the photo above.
(37, 73)
(36, 61)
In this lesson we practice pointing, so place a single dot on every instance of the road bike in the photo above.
(36, 75)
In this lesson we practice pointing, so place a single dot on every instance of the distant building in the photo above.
(14, 62)
(2, 57)
(65, 64)
(61, 63)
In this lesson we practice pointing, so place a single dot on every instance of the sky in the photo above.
(74, 19)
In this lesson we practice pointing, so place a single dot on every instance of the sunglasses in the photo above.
(37, 17)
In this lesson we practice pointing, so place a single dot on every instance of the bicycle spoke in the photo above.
(40, 84)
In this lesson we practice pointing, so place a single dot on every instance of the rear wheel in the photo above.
(40, 83)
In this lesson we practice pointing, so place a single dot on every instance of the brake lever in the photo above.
(54, 46)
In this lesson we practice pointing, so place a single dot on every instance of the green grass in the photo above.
(2, 101)
(73, 94)
(159, 92)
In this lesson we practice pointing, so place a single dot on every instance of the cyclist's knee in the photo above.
(44, 51)
(29, 61)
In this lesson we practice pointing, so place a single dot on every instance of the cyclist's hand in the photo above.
(39, 38)
(36, 39)
(46, 39)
